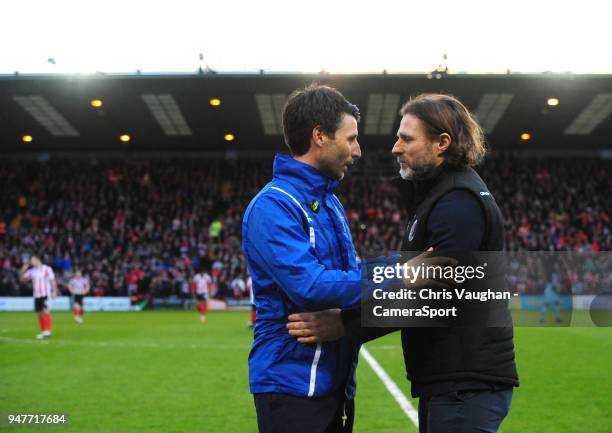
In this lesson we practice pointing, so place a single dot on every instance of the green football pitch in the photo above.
(168, 372)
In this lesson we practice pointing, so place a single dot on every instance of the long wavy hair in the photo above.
(443, 113)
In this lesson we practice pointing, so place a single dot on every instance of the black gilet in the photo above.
(456, 353)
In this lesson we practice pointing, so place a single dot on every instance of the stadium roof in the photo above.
(174, 112)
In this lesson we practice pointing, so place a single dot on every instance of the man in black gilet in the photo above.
(463, 375)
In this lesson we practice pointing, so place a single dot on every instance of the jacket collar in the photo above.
(423, 186)
(303, 176)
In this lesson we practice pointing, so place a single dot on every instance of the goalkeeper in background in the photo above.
(552, 300)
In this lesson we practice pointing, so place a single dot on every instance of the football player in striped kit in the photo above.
(79, 287)
(249, 288)
(43, 285)
(202, 284)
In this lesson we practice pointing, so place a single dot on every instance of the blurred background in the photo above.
(133, 136)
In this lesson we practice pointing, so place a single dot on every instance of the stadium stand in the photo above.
(152, 223)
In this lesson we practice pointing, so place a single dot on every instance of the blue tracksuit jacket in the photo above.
(301, 257)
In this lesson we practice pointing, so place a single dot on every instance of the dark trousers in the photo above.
(282, 413)
(464, 411)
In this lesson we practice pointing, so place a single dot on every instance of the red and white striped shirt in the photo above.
(41, 277)
(203, 283)
(79, 285)
(249, 287)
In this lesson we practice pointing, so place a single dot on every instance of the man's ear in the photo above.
(444, 143)
(316, 136)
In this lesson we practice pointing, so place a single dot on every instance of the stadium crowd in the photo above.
(147, 227)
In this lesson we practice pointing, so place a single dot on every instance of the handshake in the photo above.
(424, 270)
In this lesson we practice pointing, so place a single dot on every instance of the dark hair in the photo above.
(316, 105)
(444, 113)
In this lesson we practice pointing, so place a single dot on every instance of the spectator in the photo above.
(168, 216)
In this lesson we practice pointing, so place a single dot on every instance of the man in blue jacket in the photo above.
(301, 257)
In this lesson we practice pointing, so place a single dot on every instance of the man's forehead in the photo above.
(348, 124)
(410, 122)
(348, 119)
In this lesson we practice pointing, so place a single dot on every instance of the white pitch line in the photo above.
(392, 387)
(118, 344)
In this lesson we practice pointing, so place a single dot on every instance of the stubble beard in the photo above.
(419, 170)
(333, 170)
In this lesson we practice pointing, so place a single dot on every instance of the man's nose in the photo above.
(356, 151)
(397, 150)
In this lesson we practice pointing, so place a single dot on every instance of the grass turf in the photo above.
(167, 372)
